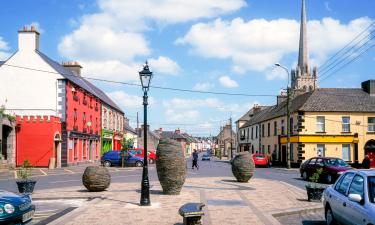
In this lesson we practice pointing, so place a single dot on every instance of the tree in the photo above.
(126, 143)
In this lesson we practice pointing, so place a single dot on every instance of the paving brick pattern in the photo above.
(227, 202)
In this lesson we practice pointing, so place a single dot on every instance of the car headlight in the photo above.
(9, 208)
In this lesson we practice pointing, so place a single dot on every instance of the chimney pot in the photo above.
(33, 28)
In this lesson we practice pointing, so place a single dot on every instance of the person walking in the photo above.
(366, 162)
(195, 160)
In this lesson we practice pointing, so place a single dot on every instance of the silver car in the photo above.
(351, 200)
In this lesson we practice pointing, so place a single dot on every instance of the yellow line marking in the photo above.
(15, 174)
(44, 173)
(68, 171)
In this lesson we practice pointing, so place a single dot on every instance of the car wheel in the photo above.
(304, 175)
(151, 161)
(330, 220)
(138, 164)
(329, 178)
(107, 164)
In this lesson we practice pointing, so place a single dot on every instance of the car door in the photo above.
(337, 198)
(129, 160)
(355, 213)
(115, 158)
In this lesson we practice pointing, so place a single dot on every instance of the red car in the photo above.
(139, 152)
(261, 160)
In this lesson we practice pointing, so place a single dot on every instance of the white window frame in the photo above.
(345, 125)
(320, 125)
(348, 154)
(371, 126)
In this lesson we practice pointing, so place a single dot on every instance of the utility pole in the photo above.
(288, 127)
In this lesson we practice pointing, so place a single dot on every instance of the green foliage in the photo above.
(10, 117)
(316, 176)
(25, 171)
(127, 143)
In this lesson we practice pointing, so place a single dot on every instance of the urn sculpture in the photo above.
(170, 166)
(243, 166)
(96, 178)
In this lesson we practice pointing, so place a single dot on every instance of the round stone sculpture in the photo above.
(243, 166)
(96, 178)
(170, 166)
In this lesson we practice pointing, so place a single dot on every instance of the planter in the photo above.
(314, 193)
(96, 178)
(243, 166)
(170, 166)
(26, 187)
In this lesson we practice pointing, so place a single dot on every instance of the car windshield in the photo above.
(336, 162)
(259, 156)
(371, 191)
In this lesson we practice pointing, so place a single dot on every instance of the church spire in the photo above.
(303, 54)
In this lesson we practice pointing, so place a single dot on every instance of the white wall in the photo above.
(28, 92)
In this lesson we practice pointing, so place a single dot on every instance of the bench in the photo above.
(192, 213)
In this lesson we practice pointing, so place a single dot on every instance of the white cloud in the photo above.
(276, 73)
(178, 116)
(111, 69)
(327, 6)
(126, 101)
(4, 48)
(226, 81)
(203, 86)
(184, 103)
(257, 44)
(165, 65)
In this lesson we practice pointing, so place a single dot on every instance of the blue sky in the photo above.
(209, 45)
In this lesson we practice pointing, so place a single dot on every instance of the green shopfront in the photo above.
(107, 137)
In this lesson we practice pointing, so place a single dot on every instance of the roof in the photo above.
(2, 62)
(172, 135)
(127, 127)
(366, 172)
(320, 100)
(80, 81)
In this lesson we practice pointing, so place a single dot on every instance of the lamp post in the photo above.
(287, 117)
(145, 75)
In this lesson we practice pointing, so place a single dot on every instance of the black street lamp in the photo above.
(145, 75)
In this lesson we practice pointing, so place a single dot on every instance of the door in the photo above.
(283, 155)
(91, 149)
(371, 156)
(115, 158)
(338, 198)
(356, 212)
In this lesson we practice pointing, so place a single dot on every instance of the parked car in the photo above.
(139, 152)
(351, 200)
(261, 160)
(206, 156)
(15, 208)
(113, 158)
(332, 168)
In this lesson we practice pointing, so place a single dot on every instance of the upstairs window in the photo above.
(371, 124)
(84, 119)
(252, 131)
(320, 124)
(262, 130)
(75, 115)
(269, 129)
(275, 128)
(345, 124)
(282, 127)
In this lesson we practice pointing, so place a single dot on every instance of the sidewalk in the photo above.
(227, 202)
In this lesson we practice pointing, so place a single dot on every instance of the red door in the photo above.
(371, 155)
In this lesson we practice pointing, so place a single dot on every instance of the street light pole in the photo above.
(288, 150)
(145, 76)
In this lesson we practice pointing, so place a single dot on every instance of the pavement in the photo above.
(227, 202)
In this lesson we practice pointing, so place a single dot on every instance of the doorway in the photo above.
(91, 149)
(283, 155)
(370, 151)
(57, 151)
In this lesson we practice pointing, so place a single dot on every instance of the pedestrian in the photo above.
(195, 160)
(366, 162)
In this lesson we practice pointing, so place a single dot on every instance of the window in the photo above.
(357, 186)
(312, 161)
(96, 123)
(282, 127)
(291, 125)
(371, 124)
(291, 152)
(262, 130)
(275, 128)
(343, 184)
(252, 129)
(276, 153)
(269, 149)
(248, 133)
(75, 115)
(262, 149)
(75, 150)
(346, 152)
(320, 150)
(84, 118)
(345, 124)
(256, 132)
(320, 124)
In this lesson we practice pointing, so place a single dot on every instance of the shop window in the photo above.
(346, 152)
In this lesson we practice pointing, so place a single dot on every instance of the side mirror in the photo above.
(356, 198)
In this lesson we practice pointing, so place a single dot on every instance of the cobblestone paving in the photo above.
(306, 218)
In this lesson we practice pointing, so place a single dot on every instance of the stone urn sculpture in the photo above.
(96, 178)
(170, 166)
(243, 166)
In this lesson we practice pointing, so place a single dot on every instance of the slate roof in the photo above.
(80, 81)
(2, 62)
(127, 127)
(172, 135)
(320, 100)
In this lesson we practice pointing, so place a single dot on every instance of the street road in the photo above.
(72, 176)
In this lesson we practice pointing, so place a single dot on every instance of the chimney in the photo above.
(369, 87)
(177, 131)
(28, 39)
(75, 67)
(280, 99)
(256, 108)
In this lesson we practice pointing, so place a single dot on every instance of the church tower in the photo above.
(302, 77)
